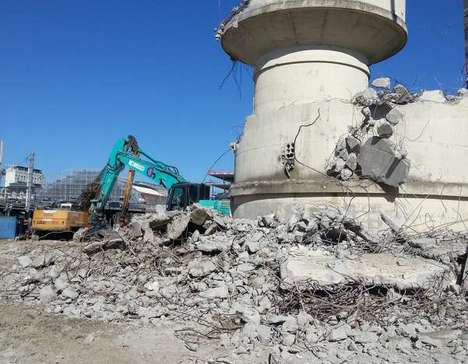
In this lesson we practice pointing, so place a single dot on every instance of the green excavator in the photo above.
(127, 154)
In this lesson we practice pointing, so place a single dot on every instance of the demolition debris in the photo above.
(317, 285)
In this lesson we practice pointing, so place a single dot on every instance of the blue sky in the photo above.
(77, 75)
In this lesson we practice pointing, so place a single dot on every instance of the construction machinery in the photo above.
(181, 193)
(59, 220)
(127, 154)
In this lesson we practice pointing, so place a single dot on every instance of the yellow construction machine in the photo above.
(58, 221)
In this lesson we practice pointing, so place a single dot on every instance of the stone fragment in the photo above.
(290, 325)
(303, 319)
(217, 292)
(379, 163)
(177, 226)
(401, 95)
(339, 333)
(382, 82)
(353, 144)
(343, 154)
(351, 163)
(264, 304)
(98, 246)
(269, 221)
(247, 313)
(346, 174)
(61, 283)
(42, 261)
(252, 246)
(276, 319)
(338, 165)
(213, 247)
(394, 116)
(152, 286)
(423, 243)
(25, 261)
(198, 215)
(439, 338)
(433, 96)
(367, 97)
(47, 294)
(288, 339)
(159, 221)
(383, 129)
(54, 272)
(340, 145)
(70, 292)
(201, 268)
(134, 230)
(245, 267)
(366, 337)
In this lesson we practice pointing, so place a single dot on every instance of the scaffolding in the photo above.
(69, 188)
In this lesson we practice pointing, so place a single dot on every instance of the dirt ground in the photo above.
(30, 336)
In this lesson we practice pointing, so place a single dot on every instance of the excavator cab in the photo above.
(184, 194)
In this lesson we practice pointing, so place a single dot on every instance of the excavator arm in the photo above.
(126, 153)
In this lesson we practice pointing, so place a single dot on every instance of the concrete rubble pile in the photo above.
(367, 151)
(317, 286)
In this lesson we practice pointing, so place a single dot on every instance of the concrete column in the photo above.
(295, 76)
(310, 57)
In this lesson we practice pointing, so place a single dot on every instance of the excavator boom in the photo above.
(126, 153)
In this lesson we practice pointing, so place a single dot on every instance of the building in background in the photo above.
(16, 179)
(68, 189)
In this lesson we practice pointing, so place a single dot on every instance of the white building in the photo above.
(16, 177)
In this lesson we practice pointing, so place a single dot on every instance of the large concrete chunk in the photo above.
(304, 264)
(379, 163)
(382, 82)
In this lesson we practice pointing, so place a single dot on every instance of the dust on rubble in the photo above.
(315, 288)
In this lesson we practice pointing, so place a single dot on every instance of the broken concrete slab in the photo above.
(217, 292)
(177, 226)
(25, 261)
(98, 246)
(384, 129)
(379, 163)
(198, 215)
(382, 82)
(304, 264)
(433, 96)
(351, 163)
(47, 294)
(401, 95)
(201, 268)
(213, 246)
(439, 338)
(346, 174)
(394, 116)
(353, 144)
(367, 97)
(339, 333)
(70, 292)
